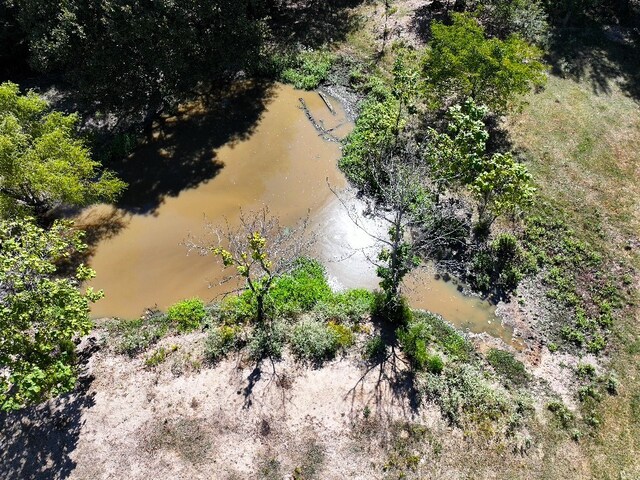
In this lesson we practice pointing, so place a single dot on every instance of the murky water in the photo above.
(209, 161)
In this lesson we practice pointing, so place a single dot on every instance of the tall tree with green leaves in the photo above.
(41, 311)
(462, 62)
(459, 159)
(43, 162)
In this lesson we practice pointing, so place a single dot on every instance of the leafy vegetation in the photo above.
(220, 341)
(309, 69)
(43, 162)
(314, 341)
(506, 365)
(135, 336)
(129, 57)
(462, 62)
(188, 314)
(41, 312)
(468, 399)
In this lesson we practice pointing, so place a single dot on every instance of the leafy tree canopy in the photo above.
(459, 158)
(462, 62)
(42, 161)
(130, 55)
(40, 312)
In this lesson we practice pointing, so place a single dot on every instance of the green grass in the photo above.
(581, 144)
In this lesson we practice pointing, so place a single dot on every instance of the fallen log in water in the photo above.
(327, 102)
(318, 126)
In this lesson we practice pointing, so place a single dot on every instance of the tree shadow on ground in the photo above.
(312, 23)
(37, 441)
(424, 16)
(394, 383)
(179, 150)
(599, 55)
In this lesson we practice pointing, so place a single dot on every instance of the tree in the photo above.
(382, 119)
(41, 312)
(462, 62)
(459, 159)
(43, 163)
(503, 186)
(259, 250)
(502, 18)
(130, 56)
(385, 161)
(416, 225)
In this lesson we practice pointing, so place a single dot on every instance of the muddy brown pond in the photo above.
(254, 147)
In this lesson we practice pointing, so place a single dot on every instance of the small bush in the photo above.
(159, 356)
(350, 306)
(450, 340)
(188, 314)
(268, 341)
(397, 312)
(612, 384)
(434, 364)
(507, 366)
(374, 348)
(467, 398)
(237, 308)
(135, 336)
(314, 341)
(220, 342)
(414, 340)
(309, 69)
(562, 414)
(300, 290)
(586, 370)
(342, 333)
(502, 265)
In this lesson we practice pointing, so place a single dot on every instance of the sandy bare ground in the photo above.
(184, 421)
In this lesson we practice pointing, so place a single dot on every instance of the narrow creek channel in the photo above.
(206, 163)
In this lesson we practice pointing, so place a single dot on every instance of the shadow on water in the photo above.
(178, 152)
(37, 441)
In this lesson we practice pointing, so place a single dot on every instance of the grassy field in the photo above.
(581, 138)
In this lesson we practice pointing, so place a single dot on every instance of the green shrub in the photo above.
(467, 398)
(612, 384)
(450, 340)
(237, 308)
(268, 341)
(374, 348)
(309, 69)
(313, 341)
(342, 333)
(414, 340)
(562, 414)
(502, 265)
(507, 366)
(586, 370)
(135, 336)
(221, 341)
(159, 356)
(350, 306)
(394, 312)
(300, 290)
(188, 314)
